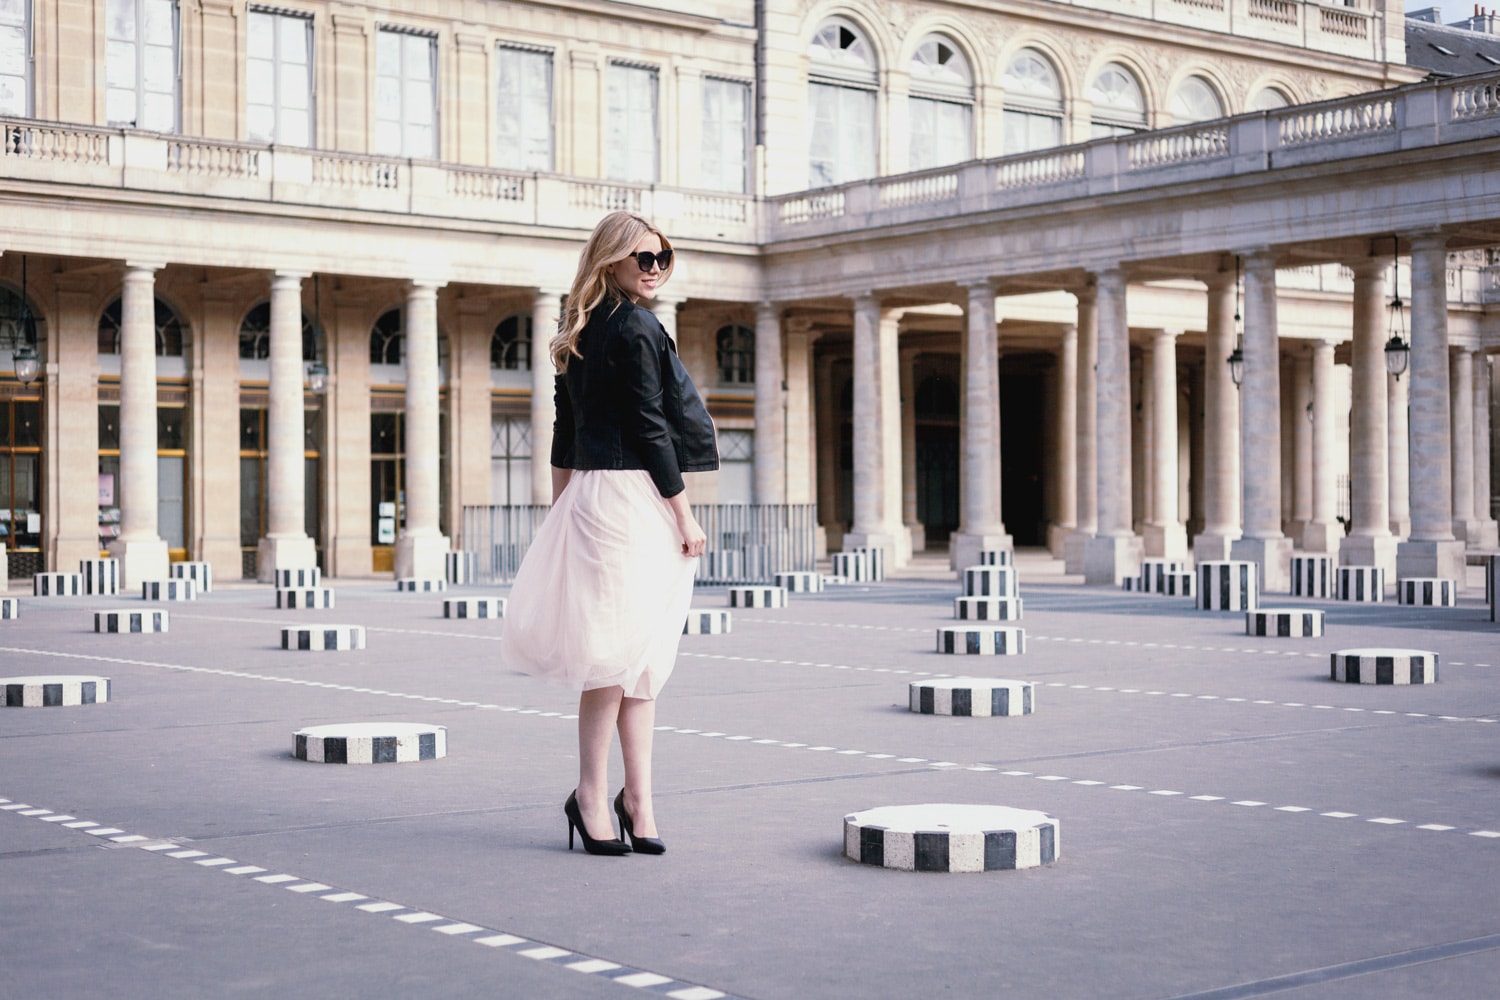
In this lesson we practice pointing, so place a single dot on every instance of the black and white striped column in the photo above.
(10, 607)
(1228, 585)
(859, 565)
(995, 557)
(473, 607)
(1492, 587)
(461, 567)
(169, 590)
(800, 583)
(990, 581)
(757, 597)
(1154, 573)
(987, 609)
(971, 696)
(1364, 584)
(57, 585)
(942, 837)
(53, 691)
(982, 640)
(370, 743)
(413, 584)
(201, 573)
(100, 576)
(288, 579)
(1312, 575)
(1427, 592)
(1384, 666)
(304, 598)
(320, 638)
(700, 622)
(131, 620)
(1294, 623)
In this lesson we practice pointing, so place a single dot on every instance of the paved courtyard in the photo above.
(1232, 822)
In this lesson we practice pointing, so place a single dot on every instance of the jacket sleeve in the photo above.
(644, 425)
(562, 424)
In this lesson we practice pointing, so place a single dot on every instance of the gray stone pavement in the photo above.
(1233, 823)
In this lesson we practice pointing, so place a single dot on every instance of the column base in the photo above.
(1322, 536)
(1272, 557)
(284, 553)
(1401, 527)
(66, 554)
(141, 560)
(964, 548)
(1057, 539)
(1441, 560)
(224, 554)
(1475, 534)
(896, 544)
(1212, 547)
(918, 533)
(422, 557)
(1165, 541)
(1366, 550)
(1075, 549)
(1108, 559)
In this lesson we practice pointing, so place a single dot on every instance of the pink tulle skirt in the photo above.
(602, 595)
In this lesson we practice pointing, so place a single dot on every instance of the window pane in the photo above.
(388, 98)
(13, 12)
(260, 82)
(631, 155)
(524, 110)
(119, 58)
(120, 16)
(13, 50)
(418, 57)
(725, 135)
(296, 129)
(294, 89)
(418, 102)
(159, 113)
(13, 96)
(260, 35)
(249, 501)
(388, 138)
(261, 122)
(159, 28)
(293, 37)
(387, 53)
(161, 71)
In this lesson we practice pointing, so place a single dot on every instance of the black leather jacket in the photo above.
(628, 403)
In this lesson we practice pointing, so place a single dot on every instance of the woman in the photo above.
(602, 595)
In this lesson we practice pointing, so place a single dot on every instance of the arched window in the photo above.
(736, 347)
(841, 105)
(255, 334)
(1119, 105)
(387, 339)
(510, 344)
(1033, 114)
(1269, 100)
(1195, 101)
(941, 105)
(169, 330)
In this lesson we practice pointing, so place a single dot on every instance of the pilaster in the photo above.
(546, 307)
(72, 425)
(770, 412)
(214, 480)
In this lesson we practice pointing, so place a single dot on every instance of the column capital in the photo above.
(421, 286)
(1372, 266)
(149, 267)
(980, 285)
(767, 311)
(285, 278)
(1428, 241)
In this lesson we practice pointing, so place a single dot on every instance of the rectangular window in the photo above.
(941, 133)
(632, 142)
(1027, 131)
(15, 58)
(841, 145)
(141, 69)
(278, 78)
(524, 123)
(726, 131)
(405, 94)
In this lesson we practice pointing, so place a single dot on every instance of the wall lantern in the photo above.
(1397, 354)
(1236, 358)
(317, 371)
(27, 365)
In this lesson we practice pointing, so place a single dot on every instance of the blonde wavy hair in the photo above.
(612, 240)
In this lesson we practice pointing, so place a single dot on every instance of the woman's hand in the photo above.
(694, 541)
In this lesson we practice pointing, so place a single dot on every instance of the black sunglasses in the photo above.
(646, 260)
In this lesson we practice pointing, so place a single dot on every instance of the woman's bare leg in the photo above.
(637, 727)
(598, 714)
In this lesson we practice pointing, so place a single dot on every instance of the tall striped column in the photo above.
(1115, 552)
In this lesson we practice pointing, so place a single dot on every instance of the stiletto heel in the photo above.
(641, 845)
(592, 846)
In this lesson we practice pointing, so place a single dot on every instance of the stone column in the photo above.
(664, 308)
(914, 526)
(1115, 551)
(348, 548)
(877, 469)
(1486, 529)
(1467, 526)
(1260, 431)
(1087, 476)
(1369, 542)
(1432, 550)
(1166, 535)
(545, 309)
(286, 544)
(72, 375)
(141, 550)
(1323, 532)
(1221, 419)
(826, 404)
(1302, 444)
(801, 464)
(1398, 459)
(1066, 493)
(770, 412)
(421, 546)
(980, 524)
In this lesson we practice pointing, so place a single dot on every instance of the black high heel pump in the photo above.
(641, 845)
(614, 848)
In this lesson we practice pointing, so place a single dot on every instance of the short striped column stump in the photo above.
(982, 640)
(1133, 584)
(371, 743)
(169, 590)
(473, 607)
(990, 581)
(995, 557)
(1427, 592)
(859, 565)
(422, 586)
(970, 696)
(1285, 623)
(987, 609)
(757, 597)
(944, 837)
(1384, 666)
(100, 576)
(286, 579)
(10, 607)
(304, 598)
(1154, 573)
(1362, 584)
(1228, 585)
(1179, 583)
(1312, 575)
(699, 622)
(800, 583)
(461, 567)
(320, 638)
(134, 620)
(834, 580)
(201, 573)
(1492, 587)
(57, 585)
(53, 691)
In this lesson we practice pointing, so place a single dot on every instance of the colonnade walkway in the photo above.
(1230, 818)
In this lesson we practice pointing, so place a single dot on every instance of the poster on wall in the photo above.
(106, 489)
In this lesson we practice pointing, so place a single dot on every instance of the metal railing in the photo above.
(747, 543)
